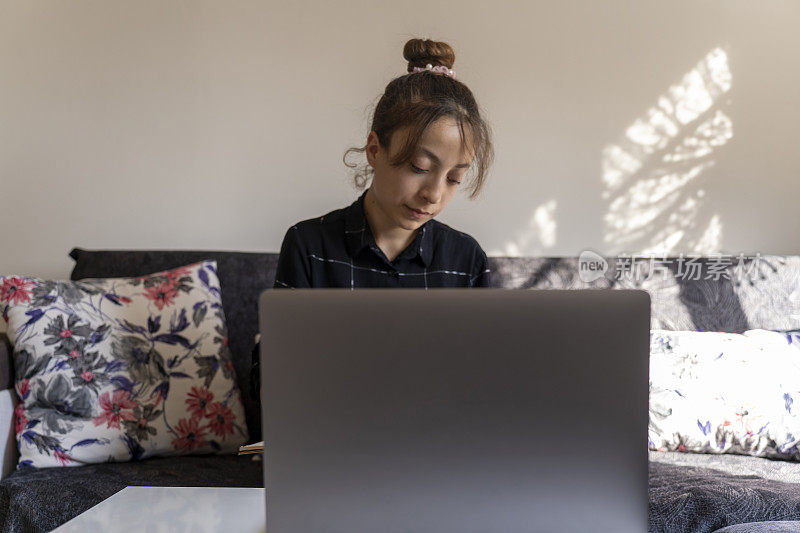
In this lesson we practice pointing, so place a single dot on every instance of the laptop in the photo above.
(455, 410)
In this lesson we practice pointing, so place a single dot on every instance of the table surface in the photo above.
(172, 509)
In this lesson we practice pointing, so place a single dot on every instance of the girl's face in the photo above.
(426, 183)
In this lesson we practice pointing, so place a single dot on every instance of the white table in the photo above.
(172, 509)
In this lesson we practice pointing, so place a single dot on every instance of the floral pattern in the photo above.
(725, 392)
(121, 369)
(114, 408)
(14, 290)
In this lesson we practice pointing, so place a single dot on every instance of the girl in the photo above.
(426, 134)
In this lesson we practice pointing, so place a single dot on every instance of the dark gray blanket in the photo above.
(698, 499)
(686, 495)
(41, 500)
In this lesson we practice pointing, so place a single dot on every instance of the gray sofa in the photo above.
(697, 493)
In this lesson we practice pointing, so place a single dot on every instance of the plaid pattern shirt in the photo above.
(338, 250)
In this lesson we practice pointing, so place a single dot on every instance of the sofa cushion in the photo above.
(43, 499)
(122, 368)
(725, 392)
(242, 276)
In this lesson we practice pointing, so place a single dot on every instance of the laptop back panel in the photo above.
(454, 410)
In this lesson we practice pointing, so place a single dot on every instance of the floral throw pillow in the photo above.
(725, 392)
(121, 369)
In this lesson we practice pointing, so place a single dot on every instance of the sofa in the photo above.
(688, 492)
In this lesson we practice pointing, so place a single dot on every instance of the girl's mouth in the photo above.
(416, 214)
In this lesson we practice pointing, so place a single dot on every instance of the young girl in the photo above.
(426, 134)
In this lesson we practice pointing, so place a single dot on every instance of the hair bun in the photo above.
(420, 52)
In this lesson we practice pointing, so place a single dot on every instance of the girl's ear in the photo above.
(373, 147)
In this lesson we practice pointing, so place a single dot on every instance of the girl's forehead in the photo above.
(444, 138)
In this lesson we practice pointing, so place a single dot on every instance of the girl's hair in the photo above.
(417, 100)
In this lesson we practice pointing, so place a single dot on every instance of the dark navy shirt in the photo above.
(339, 250)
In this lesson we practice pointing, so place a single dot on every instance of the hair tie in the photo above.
(439, 69)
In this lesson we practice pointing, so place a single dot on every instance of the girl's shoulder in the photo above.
(447, 234)
(330, 218)
(313, 232)
(320, 224)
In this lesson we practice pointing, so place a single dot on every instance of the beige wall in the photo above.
(620, 125)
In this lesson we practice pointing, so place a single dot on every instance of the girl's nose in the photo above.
(434, 188)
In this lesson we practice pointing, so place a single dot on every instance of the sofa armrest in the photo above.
(9, 455)
(6, 364)
(8, 401)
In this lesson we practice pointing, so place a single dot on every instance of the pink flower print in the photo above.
(20, 420)
(220, 419)
(190, 435)
(23, 387)
(14, 290)
(198, 401)
(162, 294)
(113, 408)
(61, 456)
(87, 375)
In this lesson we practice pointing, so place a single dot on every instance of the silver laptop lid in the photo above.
(389, 410)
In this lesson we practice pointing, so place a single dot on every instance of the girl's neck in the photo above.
(390, 239)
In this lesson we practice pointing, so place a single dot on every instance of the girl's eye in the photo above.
(422, 171)
(417, 169)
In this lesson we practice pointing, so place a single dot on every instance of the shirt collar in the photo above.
(359, 236)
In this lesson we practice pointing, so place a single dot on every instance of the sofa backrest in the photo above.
(710, 293)
(766, 296)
